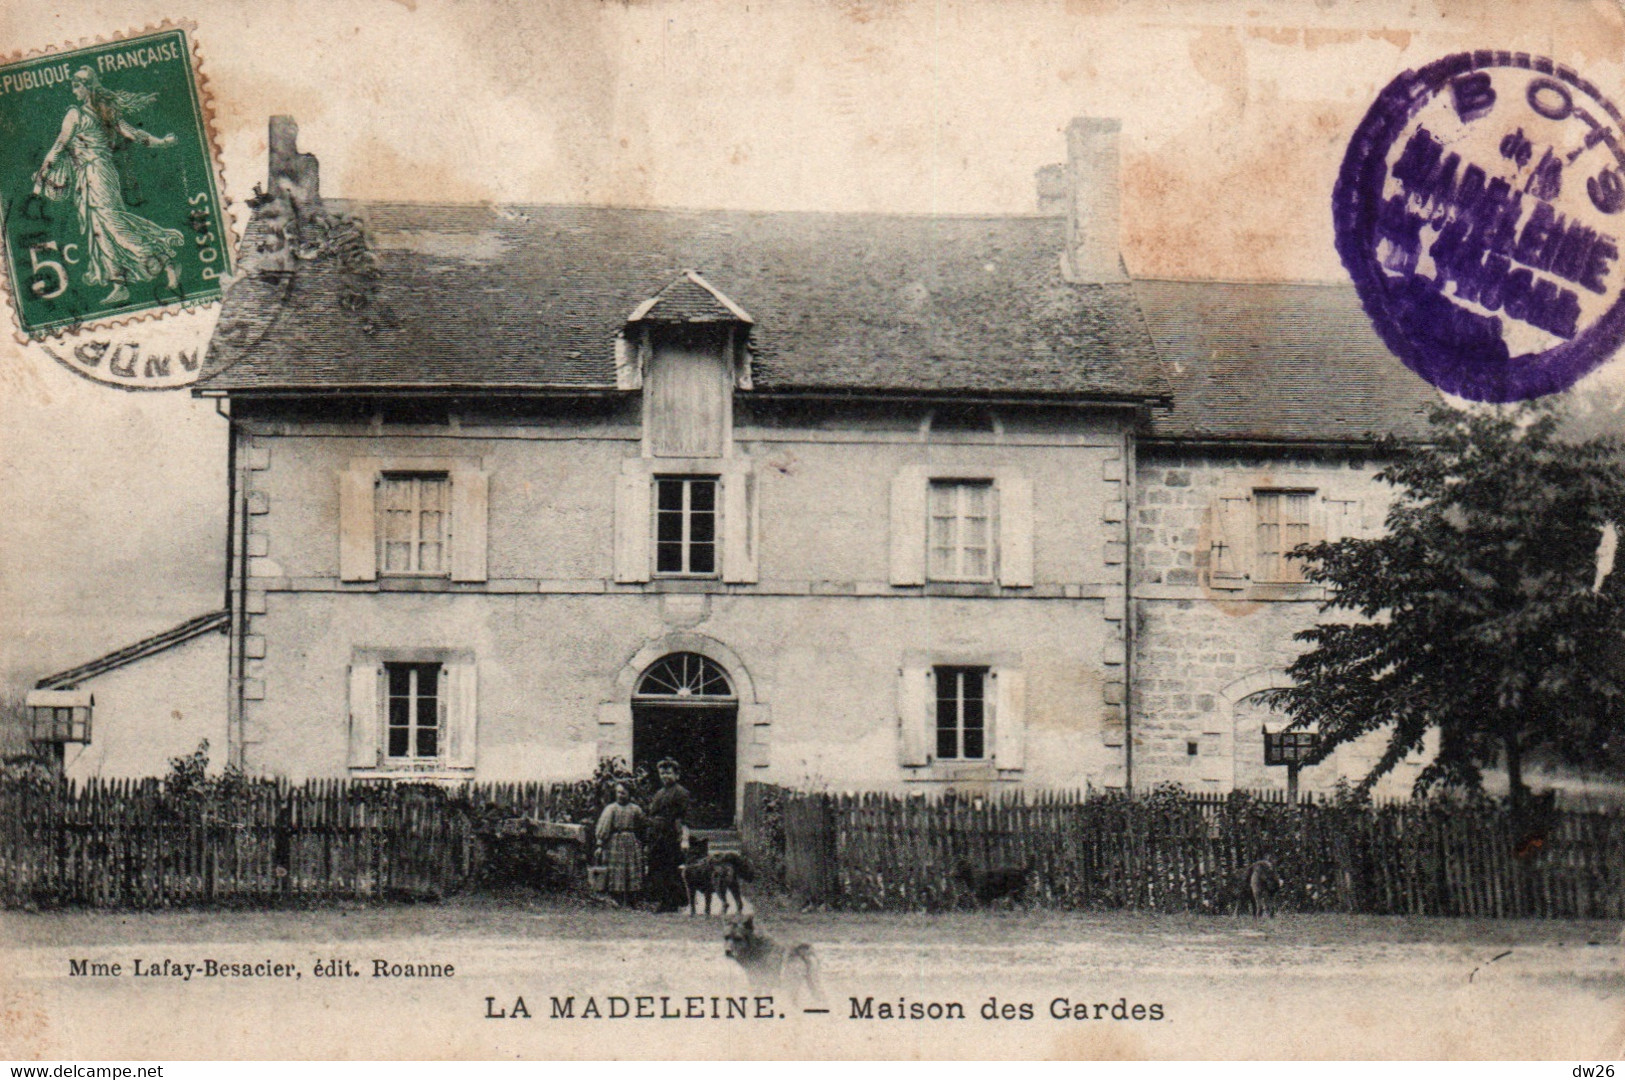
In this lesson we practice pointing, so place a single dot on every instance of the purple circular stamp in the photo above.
(1479, 212)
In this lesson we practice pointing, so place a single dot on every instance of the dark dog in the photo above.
(1259, 886)
(719, 876)
(771, 966)
(994, 883)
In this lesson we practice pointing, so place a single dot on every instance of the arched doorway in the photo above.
(684, 707)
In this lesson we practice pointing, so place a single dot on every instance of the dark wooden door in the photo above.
(702, 740)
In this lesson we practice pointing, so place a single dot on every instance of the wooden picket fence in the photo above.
(1189, 852)
(133, 843)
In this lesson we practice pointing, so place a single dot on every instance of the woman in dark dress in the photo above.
(668, 840)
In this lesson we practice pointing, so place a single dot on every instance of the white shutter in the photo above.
(1015, 530)
(915, 698)
(1230, 556)
(358, 516)
(908, 528)
(470, 498)
(366, 695)
(1344, 519)
(631, 528)
(1009, 717)
(461, 705)
(739, 521)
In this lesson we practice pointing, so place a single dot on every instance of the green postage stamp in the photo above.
(109, 184)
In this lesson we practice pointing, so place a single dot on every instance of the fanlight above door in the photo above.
(685, 675)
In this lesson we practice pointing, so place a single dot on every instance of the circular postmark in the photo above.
(1479, 212)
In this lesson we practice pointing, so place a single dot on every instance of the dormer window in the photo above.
(687, 393)
(686, 347)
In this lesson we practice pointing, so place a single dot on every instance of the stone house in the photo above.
(846, 500)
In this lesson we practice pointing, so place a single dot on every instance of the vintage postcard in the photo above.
(878, 529)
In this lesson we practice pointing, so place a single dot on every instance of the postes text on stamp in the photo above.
(1478, 211)
(109, 184)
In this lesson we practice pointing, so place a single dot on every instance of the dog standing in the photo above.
(771, 966)
(994, 883)
(719, 876)
(1260, 885)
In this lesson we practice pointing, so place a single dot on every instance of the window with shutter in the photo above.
(413, 711)
(413, 517)
(961, 528)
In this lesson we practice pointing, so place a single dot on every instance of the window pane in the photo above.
(432, 494)
(669, 558)
(669, 495)
(702, 559)
(702, 526)
(947, 723)
(429, 558)
(669, 527)
(400, 679)
(398, 525)
(396, 494)
(976, 563)
(400, 714)
(973, 743)
(948, 694)
(702, 495)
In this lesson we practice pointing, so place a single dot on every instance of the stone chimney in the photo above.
(292, 175)
(1089, 195)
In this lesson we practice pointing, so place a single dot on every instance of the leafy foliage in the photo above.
(190, 782)
(1483, 611)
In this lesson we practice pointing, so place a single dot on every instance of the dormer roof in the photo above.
(689, 299)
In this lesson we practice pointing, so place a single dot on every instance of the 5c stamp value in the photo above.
(109, 185)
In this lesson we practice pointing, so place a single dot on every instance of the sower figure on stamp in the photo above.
(668, 840)
(619, 847)
(120, 247)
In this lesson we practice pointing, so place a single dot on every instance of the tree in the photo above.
(1489, 609)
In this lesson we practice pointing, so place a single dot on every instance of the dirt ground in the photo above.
(1298, 986)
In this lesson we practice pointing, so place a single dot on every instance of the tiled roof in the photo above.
(157, 643)
(690, 299)
(532, 297)
(1276, 362)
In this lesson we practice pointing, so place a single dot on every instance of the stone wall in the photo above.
(1204, 646)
